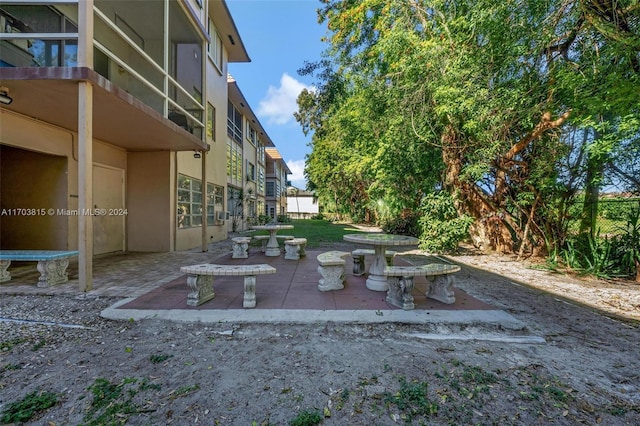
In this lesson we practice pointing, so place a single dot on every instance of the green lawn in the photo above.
(317, 232)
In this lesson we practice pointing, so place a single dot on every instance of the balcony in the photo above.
(147, 71)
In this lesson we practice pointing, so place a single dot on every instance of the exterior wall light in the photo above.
(4, 96)
(196, 154)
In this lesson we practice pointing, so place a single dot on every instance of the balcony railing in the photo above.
(149, 60)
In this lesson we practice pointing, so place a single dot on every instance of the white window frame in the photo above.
(189, 209)
(214, 47)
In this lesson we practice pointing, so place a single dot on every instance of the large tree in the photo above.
(493, 88)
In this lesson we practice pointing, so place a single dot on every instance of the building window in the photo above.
(189, 202)
(251, 134)
(234, 161)
(261, 152)
(214, 48)
(271, 189)
(234, 123)
(261, 180)
(251, 171)
(38, 52)
(211, 122)
(215, 202)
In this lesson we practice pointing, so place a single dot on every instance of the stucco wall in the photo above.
(150, 201)
(33, 189)
(33, 137)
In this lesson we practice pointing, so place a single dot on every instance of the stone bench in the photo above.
(263, 239)
(200, 280)
(358, 259)
(52, 264)
(331, 267)
(400, 280)
(240, 247)
(294, 248)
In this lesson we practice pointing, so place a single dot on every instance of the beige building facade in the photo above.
(116, 136)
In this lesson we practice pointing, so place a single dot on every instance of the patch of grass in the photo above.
(468, 381)
(365, 381)
(38, 345)
(28, 407)
(12, 367)
(113, 403)
(620, 408)
(158, 358)
(412, 400)
(318, 232)
(7, 345)
(184, 390)
(542, 387)
(146, 385)
(344, 397)
(307, 418)
(474, 374)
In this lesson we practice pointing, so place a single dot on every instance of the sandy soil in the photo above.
(587, 371)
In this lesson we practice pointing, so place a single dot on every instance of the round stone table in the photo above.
(273, 248)
(380, 242)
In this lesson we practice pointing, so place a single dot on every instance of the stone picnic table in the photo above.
(376, 280)
(273, 248)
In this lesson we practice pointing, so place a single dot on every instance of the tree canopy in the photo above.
(511, 107)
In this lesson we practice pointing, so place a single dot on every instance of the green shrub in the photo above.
(284, 218)
(627, 245)
(591, 255)
(442, 228)
(404, 224)
(607, 257)
(263, 219)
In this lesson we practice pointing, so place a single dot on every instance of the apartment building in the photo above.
(246, 160)
(277, 182)
(114, 126)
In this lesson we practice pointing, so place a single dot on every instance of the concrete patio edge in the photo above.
(307, 316)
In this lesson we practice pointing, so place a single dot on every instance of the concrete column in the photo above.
(85, 148)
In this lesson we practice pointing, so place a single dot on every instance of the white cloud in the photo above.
(297, 173)
(279, 103)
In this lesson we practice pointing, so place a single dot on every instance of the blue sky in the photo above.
(279, 35)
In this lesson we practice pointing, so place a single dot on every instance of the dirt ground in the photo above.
(97, 371)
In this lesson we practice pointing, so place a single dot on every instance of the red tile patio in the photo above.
(294, 286)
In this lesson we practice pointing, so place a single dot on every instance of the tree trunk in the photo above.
(592, 192)
(489, 231)
(494, 228)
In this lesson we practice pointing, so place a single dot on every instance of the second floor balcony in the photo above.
(148, 64)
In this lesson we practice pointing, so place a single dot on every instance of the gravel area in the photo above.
(98, 371)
